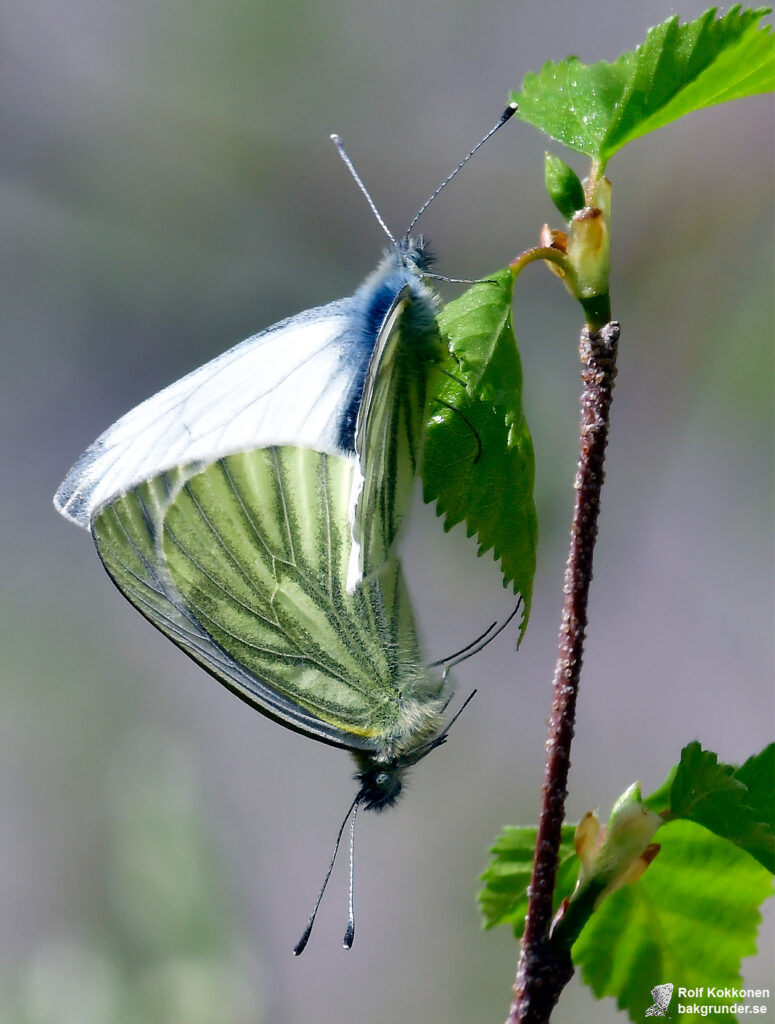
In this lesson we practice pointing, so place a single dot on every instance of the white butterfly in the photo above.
(249, 510)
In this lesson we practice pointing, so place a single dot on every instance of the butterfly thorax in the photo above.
(418, 730)
(401, 266)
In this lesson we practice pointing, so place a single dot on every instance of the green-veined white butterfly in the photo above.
(249, 510)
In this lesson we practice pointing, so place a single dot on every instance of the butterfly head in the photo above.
(416, 252)
(381, 785)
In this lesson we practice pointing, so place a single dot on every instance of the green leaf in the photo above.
(503, 900)
(563, 185)
(700, 777)
(596, 109)
(689, 920)
(714, 795)
(478, 463)
(758, 776)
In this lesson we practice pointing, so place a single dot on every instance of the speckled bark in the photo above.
(543, 972)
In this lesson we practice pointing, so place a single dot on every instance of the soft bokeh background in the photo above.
(168, 188)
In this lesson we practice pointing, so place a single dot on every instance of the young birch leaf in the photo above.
(574, 103)
(689, 920)
(681, 68)
(758, 776)
(716, 796)
(478, 463)
(503, 900)
(596, 109)
(563, 185)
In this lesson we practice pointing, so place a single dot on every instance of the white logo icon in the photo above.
(661, 994)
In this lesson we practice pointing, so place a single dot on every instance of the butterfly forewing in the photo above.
(289, 385)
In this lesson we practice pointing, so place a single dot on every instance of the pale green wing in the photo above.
(242, 564)
(390, 429)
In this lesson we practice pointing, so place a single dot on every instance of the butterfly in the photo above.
(249, 512)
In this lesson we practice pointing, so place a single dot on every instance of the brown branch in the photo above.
(544, 971)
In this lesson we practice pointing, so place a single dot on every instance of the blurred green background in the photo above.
(167, 189)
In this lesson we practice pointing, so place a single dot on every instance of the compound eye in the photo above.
(382, 779)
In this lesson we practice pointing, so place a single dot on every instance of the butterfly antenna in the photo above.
(300, 946)
(457, 715)
(349, 165)
(480, 644)
(349, 934)
(473, 643)
(507, 114)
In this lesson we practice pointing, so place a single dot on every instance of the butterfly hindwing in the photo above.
(258, 596)
(127, 535)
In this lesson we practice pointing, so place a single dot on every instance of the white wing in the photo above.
(289, 385)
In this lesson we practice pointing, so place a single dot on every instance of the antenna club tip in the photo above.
(335, 137)
(301, 945)
(510, 110)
